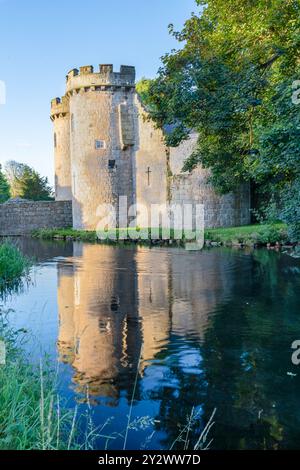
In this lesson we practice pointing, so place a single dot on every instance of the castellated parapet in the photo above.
(59, 107)
(105, 147)
(106, 78)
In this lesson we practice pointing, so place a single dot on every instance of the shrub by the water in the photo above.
(12, 264)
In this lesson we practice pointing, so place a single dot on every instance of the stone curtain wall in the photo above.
(229, 210)
(20, 218)
(187, 188)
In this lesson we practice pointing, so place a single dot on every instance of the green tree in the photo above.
(4, 187)
(142, 88)
(27, 183)
(232, 82)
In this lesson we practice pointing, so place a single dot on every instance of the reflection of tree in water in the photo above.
(247, 356)
(245, 359)
(218, 337)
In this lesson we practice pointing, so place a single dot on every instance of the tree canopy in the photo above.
(4, 187)
(231, 81)
(27, 183)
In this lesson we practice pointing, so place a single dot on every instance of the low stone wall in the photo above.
(20, 218)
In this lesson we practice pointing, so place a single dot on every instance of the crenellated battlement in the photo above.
(59, 107)
(85, 78)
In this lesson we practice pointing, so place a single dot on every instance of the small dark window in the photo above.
(111, 164)
(55, 141)
(114, 306)
(99, 144)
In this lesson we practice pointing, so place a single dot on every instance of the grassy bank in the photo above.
(128, 235)
(248, 235)
(258, 234)
(13, 265)
(31, 415)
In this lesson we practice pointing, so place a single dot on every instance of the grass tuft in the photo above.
(32, 416)
(13, 265)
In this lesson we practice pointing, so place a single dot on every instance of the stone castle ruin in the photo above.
(105, 147)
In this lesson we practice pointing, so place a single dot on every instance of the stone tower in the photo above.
(60, 117)
(106, 147)
(98, 124)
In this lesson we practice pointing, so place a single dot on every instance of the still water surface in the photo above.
(210, 329)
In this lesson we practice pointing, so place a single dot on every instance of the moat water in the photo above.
(184, 330)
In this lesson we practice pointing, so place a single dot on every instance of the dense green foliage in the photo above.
(27, 183)
(12, 264)
(232, 82)
(4, 187)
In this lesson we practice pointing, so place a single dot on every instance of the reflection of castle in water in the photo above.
(115, 304)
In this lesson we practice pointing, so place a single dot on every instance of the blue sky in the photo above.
(41, 40)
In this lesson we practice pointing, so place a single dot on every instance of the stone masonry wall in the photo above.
(60, 117)
(95, 116)
(194, 188)
(219, 211)
(20, 218)
(151, 165)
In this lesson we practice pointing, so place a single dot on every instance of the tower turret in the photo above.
(60, 117)
(102, 139)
